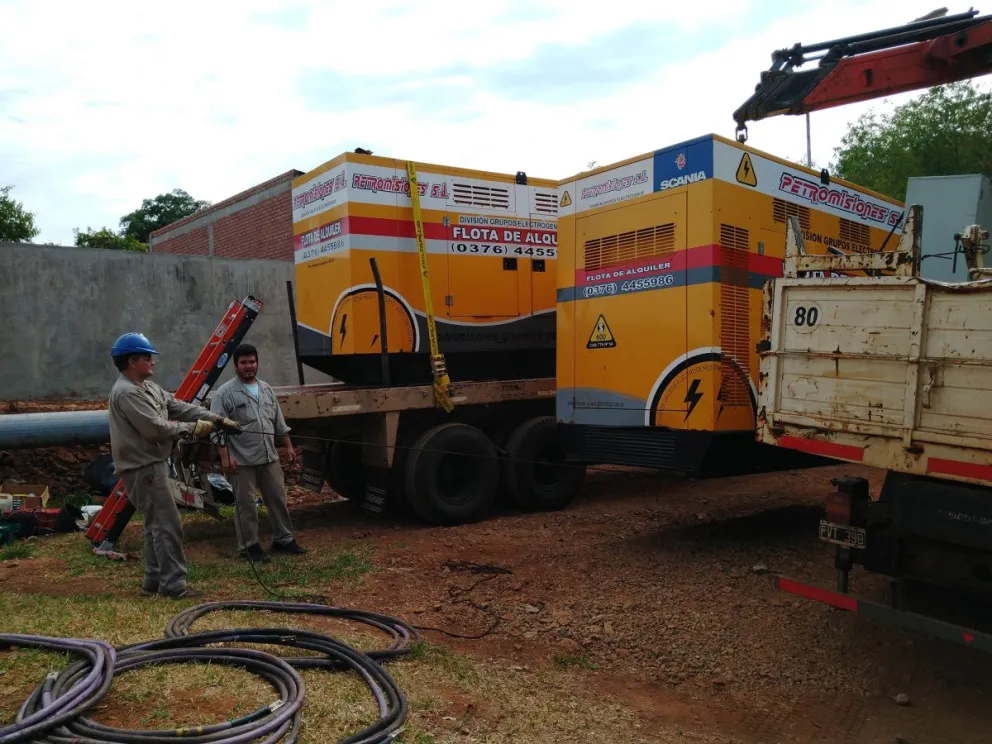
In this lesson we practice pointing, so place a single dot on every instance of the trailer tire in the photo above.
(451, 474)
(535, 473)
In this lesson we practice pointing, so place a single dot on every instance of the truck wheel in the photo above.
(344, 470)
(451, 474)
(535, 473)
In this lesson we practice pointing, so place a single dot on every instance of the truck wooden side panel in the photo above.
(893, 372)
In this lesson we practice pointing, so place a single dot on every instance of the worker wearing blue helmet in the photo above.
(145, 421)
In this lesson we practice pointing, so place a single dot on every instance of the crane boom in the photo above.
(917, 55)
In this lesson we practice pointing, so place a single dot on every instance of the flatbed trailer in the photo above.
(396, 447)
(892, 372)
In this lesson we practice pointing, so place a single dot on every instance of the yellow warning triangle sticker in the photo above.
(566, 200)
(745, 172)
(601, 336)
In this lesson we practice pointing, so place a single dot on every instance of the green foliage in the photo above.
(156, 213)
(105, 238)
(947, 131)
(16, 224)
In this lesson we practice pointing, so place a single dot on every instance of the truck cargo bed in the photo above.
(894, 372)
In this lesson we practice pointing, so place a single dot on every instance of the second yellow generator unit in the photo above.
(491, 245)
(661, 266)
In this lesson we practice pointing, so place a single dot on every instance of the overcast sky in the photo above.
(106, 102)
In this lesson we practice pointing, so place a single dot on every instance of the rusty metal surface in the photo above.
(903, 260)
(324, 401)
(895, 372)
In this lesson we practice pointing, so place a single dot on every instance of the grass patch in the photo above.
(314, 569)
(453, 698)
(18, 551)
(573, 661)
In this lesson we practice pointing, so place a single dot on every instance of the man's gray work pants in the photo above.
(269, 480)
(150, 489)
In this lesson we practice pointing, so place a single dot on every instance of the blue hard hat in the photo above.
(132, 343)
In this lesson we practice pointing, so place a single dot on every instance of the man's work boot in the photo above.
(148, 589)
(254, 553)
(292, 548)
(187, 593)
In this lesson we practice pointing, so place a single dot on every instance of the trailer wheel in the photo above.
(344, 470)
(451, 474)
(536, 475)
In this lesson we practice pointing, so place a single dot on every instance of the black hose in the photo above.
(271, 723)
(390, 700)
(54, 713)
(401, 633)
(44, 711)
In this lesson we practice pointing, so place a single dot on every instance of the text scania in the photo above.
(839, 198)
(320, 191)
(530, 237)
(320, 234)
(394, 185)
(615, 184)
(674, 183)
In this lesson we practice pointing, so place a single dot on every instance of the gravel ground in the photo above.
(660, 592)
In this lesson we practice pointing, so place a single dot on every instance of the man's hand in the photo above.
(202, 428)
(230, 425)
(290, 452)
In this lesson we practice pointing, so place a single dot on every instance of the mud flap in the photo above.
(312, 468)
(377, 459)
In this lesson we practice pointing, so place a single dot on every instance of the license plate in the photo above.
(843, 535)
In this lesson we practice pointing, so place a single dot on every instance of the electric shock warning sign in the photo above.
(601, 336)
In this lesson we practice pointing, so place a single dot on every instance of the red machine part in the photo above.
(922, 54)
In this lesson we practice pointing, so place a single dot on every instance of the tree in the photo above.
(947, 131)
(156, 213)
(106, 238)
(16, 224)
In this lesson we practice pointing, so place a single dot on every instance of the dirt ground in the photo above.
(654, 594)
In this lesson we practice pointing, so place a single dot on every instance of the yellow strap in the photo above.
(441, 380)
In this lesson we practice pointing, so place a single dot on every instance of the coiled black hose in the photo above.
(269, 724)
(389, 697)
(54, 712)
(401, 633)
(46, 710)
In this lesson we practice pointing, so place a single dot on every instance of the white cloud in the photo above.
(108, 102)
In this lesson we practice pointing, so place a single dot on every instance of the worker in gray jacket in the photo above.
(251, 458)
(141, 441)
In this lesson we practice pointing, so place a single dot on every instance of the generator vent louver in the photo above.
(545, 203)
(473, 195)
(783, 209)
(629, 246)
(855, 232)
(735, 316)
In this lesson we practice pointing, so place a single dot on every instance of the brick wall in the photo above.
(257, 223)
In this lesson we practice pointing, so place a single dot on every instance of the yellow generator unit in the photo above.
(661, 266)
(491, 247)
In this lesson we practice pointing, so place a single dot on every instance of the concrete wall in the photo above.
(257, 223)
(62, 308)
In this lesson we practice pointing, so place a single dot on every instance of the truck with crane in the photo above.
(888, 371)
